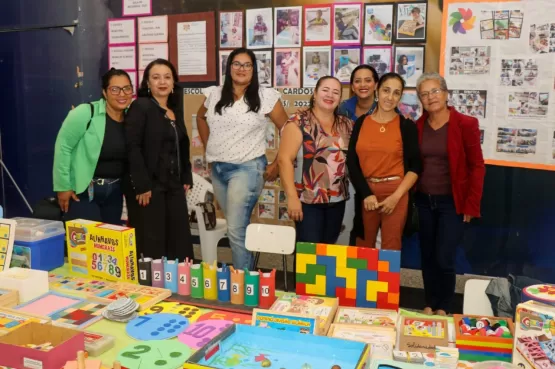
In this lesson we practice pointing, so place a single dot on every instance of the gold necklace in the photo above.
(382, 125)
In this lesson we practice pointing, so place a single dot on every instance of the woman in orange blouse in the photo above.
(384, 163)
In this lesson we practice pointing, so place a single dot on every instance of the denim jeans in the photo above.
(237, 188)
(106, 205)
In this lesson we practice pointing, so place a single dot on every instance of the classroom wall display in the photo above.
(317, 25)
(347, 23)
(264, 63)
(379, 57)
(409, 63)
(316, 64)
(410, 105)
(288, 26)
(411, 21)
(259, 27)
(133, 8)
(121, 31)
(378, 24)
(153, 29)
(500, 70)
(231, 29)
(222, 64)
(345, 60)
(287, 68)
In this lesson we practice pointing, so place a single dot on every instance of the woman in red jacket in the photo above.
(449, 190)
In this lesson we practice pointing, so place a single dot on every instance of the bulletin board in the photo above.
(498, 58)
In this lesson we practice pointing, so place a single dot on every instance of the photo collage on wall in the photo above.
(501, 24)
(297, 45)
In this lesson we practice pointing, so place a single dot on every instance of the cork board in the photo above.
(272, 205)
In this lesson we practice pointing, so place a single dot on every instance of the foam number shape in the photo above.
(223, 315)
(154, 355)
(156, 326)
(197, 335)
(192, 313)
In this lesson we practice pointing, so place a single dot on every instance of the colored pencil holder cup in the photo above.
(210, 283)
(252, 287)
(237, 286)
(224, 293)
(267, 289)
(145, 271)
(158, 273)
(197, 289)
(184, 283)
(170, 274)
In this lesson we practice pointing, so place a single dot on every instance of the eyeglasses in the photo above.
(236, 65)
(426, 95)
(115, 90)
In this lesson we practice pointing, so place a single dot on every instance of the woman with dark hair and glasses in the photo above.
(232, 125)
(90, 157)
(160, 170)
(312, 165)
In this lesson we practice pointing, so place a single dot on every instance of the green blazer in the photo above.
(77, 148)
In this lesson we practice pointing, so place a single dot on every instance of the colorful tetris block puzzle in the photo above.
(358, 276)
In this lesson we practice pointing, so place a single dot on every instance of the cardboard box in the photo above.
(478, 348)
(66, 342)
(311, 306)
(8, 298)
(111, 253)
(77, 232)
(13, 319)
(534, 333)
(366, 317)
(422, 334)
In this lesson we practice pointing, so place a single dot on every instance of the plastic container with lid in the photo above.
(39, 244)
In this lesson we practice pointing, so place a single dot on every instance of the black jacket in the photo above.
(411, 160)
(145, 129)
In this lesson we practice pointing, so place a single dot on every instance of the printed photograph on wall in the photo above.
(260, 28)
(222, 65)
(542, 38)
(231, 29)
(379, 57)
(271, 138)
(410, 105)
(378, 24)
(347, 22)
(264, 65)
(501, 24)
(470, 60)
(409, 63)
(266, 211)
(283, 215)
(288, 26)
(528, 104)
(516, 141)
(469, 102)
(287, 68)
(268, 196)
(345, 60)
(317, 64)
(411, 21)
(317, 24)
(519, 72)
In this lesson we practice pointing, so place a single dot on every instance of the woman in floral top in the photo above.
(312, 157)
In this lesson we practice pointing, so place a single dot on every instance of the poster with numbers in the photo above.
(498, 60)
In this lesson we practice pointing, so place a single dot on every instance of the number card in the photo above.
(156, 327)
(154, 355)
(200, 333)
(170, 275)
(158, 273)
(252, 283)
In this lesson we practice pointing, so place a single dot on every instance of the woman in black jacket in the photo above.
(158, 147)
(384, 165)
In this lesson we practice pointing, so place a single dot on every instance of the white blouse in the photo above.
(237, 136)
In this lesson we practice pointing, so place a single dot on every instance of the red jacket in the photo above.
(466, 162)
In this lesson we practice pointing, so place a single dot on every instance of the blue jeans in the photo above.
(441, 231)
(321, 223)
(237, 188)
(106, 206)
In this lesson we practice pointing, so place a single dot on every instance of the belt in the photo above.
(104, 181)
(385, 179)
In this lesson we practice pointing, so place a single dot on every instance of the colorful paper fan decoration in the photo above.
(462, 21)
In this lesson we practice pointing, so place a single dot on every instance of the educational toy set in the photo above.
(12, 319)
(483, 338)
(358, 276)
(421, 334)
(9, 298)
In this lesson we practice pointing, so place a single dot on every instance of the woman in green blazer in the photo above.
(90, 157)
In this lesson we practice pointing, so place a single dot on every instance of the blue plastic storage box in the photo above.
(39, 244)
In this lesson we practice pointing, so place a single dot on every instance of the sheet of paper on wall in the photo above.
(122, 57)
(150, 52)
(153, 29)
(7, 236)
(121, 31)
(191, 48)
(132, 8)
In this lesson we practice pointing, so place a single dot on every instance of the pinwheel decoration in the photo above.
(462, 21)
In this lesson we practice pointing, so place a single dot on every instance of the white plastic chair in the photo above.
(208, 238)
(272, 239)
(475, 300)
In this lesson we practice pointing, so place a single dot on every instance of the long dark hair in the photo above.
(337, 121)
(388, 76)
(375, 75)
(252, 97)
(175, 97)
(113, 72)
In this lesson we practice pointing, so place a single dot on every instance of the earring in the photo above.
(149, 90)
(172, 90)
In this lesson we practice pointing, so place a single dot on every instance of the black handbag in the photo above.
(209, 216)
(412, 224)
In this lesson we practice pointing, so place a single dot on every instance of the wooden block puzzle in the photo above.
(358, 276)
(11, 319)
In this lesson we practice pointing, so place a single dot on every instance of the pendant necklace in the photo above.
(382, 128)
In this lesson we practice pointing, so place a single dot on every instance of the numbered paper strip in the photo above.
(157, 276)
(235, 288)
(183, 279)
(265, 291)
(194, 282)
(250, 290)
(223, 284)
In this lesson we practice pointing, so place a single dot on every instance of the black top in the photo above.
(411, 161)
(170, 167)
(113, 154)
(147, 130)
